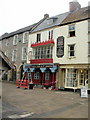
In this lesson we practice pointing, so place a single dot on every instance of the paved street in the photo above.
(39, 103)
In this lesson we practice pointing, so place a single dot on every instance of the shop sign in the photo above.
(39, 66)
(84, 91)
(60, 46)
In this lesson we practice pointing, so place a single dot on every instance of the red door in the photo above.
(37, 77)
(48, 78)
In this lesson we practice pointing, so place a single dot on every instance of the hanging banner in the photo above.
(60, 46)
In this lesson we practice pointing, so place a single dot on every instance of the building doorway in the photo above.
(21, 71)
(83, 78)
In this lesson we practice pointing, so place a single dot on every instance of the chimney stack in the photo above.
(46, 15)
(89, 3)
(74, 5)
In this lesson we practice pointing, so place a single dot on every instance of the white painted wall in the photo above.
(80, 41)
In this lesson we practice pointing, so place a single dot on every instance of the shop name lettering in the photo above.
(39, 66)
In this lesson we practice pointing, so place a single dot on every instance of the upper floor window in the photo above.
(15, 40)
(7, 43)
(88, 26)
(25, 37)
(14, 55)
(24, 53)
(71, 30)
(38, 37)
(71, 50)
(42, 52)
(0, 44)
(50, 35)
(89, 48)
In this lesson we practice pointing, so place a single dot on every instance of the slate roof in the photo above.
(28, 28)
(78, 15)
(65, 18)
(56, 21)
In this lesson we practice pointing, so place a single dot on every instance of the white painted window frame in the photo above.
(25, 34)
(24, 53)
(15, 41)
(14, 55)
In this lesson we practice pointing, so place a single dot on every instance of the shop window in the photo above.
(15, 40)
(36, 75)
(71, 78)
(14, 55)
(71, 30)
(83, 77)
(25, 37)
(28, 76)
(38, 38)
(71, 50)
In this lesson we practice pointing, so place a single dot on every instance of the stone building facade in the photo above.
(14, 45)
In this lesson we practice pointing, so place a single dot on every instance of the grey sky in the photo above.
(16, 14)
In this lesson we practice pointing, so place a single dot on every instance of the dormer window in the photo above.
(49, 21)
(38, 38)
(71, 30)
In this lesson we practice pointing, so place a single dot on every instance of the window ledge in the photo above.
(23, 59)
(14, 45)
(71, 36)
(71, 57)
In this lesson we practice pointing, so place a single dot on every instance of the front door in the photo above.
(83, 78)
(47, 78)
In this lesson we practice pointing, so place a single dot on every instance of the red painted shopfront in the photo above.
(41, 67)
(44, 75)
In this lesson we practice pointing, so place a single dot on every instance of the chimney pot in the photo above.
(46, 15)
(74, 5)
